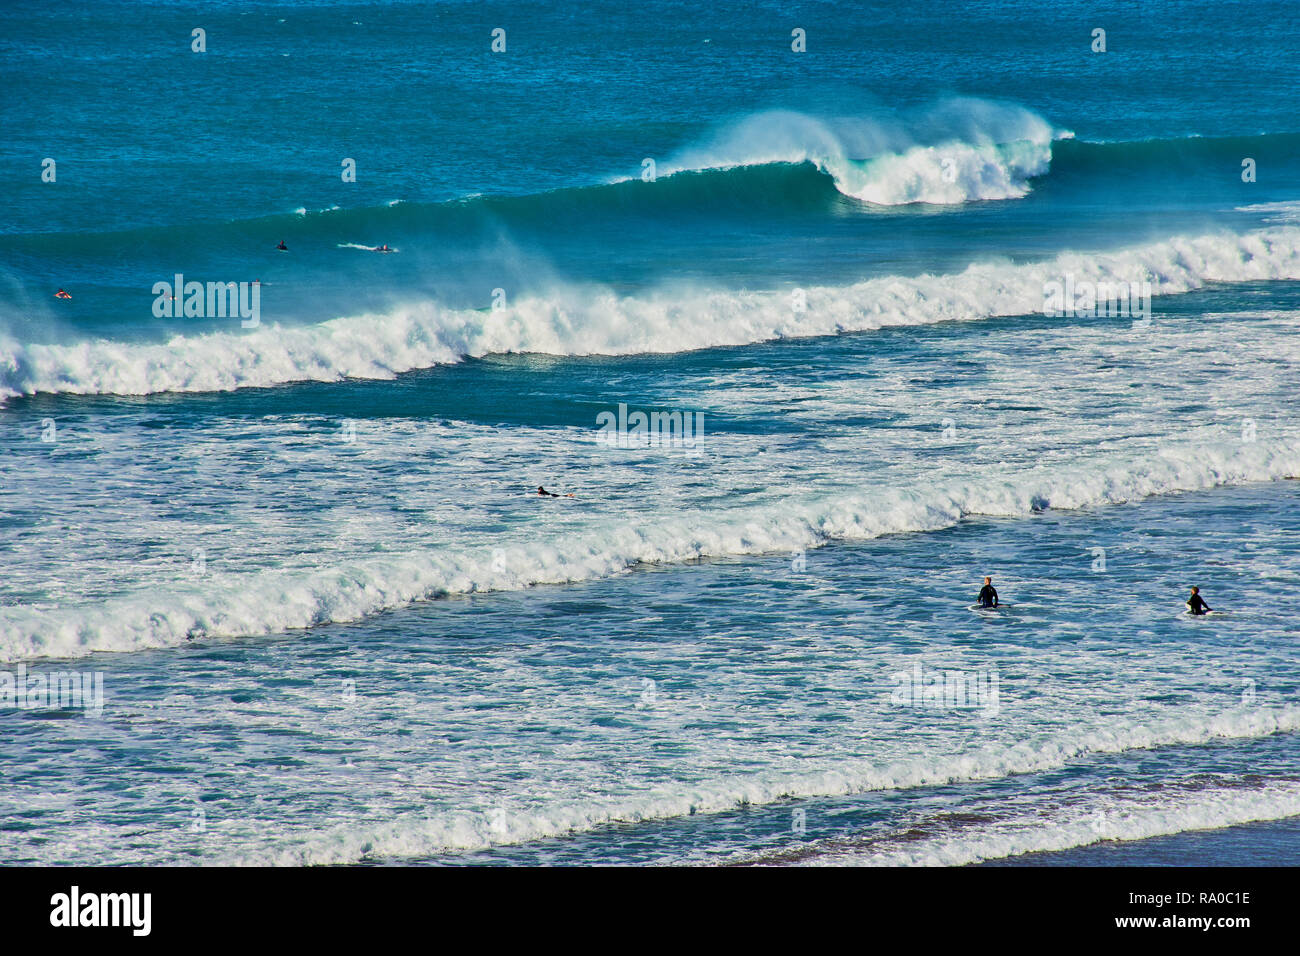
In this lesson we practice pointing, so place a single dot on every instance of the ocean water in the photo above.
(300, 549)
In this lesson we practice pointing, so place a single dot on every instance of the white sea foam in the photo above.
(584, 321)
(968, 150)
(274, 601)
(1121, 818)
(411, 836)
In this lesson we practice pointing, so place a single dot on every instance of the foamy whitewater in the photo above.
(806, 344)
(596, 322)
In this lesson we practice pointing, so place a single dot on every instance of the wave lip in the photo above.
(269, 602)
(961, 151)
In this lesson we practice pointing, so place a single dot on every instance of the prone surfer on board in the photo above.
(1196, 604)
(550, 494)
(988, 594)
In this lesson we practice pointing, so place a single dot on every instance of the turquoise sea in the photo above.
(767, 294)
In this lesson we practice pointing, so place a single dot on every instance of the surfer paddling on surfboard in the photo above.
(1196, 604)
(988, 594)
(550, 494)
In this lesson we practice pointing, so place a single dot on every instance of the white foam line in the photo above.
(1119, 820)
(585, 321)
(411, 836)
(273, 601)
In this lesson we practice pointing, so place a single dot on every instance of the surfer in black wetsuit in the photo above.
(282, 247)
(988, 594)
(550, 494)
(1196, 604)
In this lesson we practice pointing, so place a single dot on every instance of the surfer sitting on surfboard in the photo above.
(1196, 604)
(988, 594)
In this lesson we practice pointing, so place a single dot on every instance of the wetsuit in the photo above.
(1196, 605)
(988, 596)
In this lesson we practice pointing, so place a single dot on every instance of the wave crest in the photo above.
(583, 321)
(962, 151)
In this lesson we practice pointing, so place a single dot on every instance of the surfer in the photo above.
(550, 494)
(988, 594)
(384, 248)
(62, 295)
(282, 247)
(1196, 604)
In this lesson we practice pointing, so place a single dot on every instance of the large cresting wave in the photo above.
(594, 321)
(960, 151)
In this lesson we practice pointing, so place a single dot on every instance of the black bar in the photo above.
(636, 907)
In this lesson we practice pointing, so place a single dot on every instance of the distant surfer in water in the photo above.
(62, 295)
(384, 248)
(550, 494)
(1196, 604)
(282, 247)
(988, 594)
